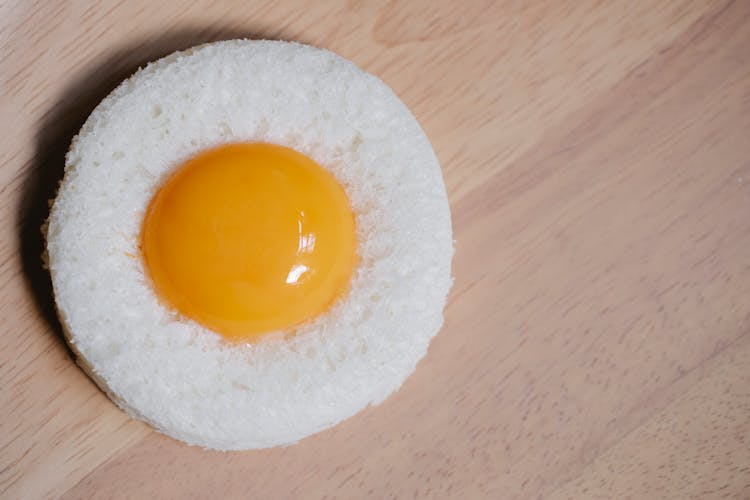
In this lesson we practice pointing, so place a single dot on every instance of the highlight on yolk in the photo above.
(250, 238)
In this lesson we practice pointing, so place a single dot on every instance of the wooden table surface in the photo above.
(597, 158)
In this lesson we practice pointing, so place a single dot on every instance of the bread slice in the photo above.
(173, 373)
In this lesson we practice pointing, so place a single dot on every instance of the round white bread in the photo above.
(173, 373)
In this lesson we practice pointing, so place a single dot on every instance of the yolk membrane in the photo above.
(248, 239)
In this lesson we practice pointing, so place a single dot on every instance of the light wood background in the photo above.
(597, 158)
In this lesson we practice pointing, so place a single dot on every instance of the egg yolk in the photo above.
(248, 239)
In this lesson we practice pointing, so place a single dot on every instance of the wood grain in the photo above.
(597, 158)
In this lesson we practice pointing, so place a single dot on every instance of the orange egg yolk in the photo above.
(248, 239)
